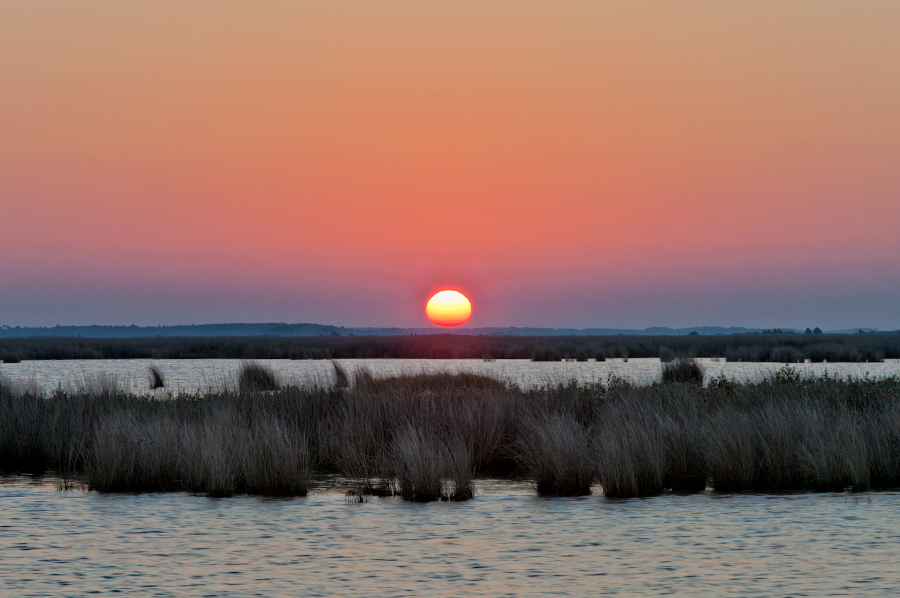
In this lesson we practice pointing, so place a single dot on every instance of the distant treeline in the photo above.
(294, 330)
(784, 348)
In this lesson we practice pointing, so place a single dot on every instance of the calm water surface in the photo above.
(203, 374)
(505, 542)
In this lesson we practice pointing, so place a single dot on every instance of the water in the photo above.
(203, 374)
(506, 542)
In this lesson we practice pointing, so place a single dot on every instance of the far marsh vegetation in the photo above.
(775, 346)
(426, 437)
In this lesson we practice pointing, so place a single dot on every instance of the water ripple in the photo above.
(506, 542)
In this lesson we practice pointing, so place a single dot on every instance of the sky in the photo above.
(565, 164)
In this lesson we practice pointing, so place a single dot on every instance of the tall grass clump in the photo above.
(460, 484)
(210, 459)
(129, 453)
(682, 370)
(556, 452)
(23, 432)
(420, 463)
(255, 377)
(731, 452)
(666, 354)
(793, 433)
(156, 378)
(631, 447)
(681, 422)
(341, 379)
(218, 454)
(274, 460)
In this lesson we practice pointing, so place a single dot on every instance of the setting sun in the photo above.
(448, 308)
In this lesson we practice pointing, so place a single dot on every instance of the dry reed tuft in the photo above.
(341, 380)
(460, 485)
(132, 454)
(156, 378)
(730, 449)
(682, 370)
(556, 452)
(420, 462)
(274, 460)
(255, 377)
(631, 447)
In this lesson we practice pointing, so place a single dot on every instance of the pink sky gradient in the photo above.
(580, 164)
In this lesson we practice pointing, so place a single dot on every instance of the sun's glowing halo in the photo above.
(448, 308)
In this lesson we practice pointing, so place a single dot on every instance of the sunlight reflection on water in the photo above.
(203, 374)
(507, 541)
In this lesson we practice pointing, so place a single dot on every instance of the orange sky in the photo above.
(616, 164)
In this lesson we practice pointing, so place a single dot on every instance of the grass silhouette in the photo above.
(427, 436)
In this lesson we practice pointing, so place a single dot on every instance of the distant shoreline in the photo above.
(756, 347)
(306, 329)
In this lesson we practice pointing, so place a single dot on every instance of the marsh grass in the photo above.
(556, 452)
(341, 380)
(428, 436)
(772, 347)
(682, 370)
(255, 377)
(157, 380)
(420, 462)
(632, 446)
(459, 475)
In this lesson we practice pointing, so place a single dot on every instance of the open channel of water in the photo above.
(507, 541)
(204, 374)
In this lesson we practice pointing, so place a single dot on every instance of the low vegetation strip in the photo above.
(426, 436)
(773, 347)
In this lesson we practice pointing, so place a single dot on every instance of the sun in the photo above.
(448, 308)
